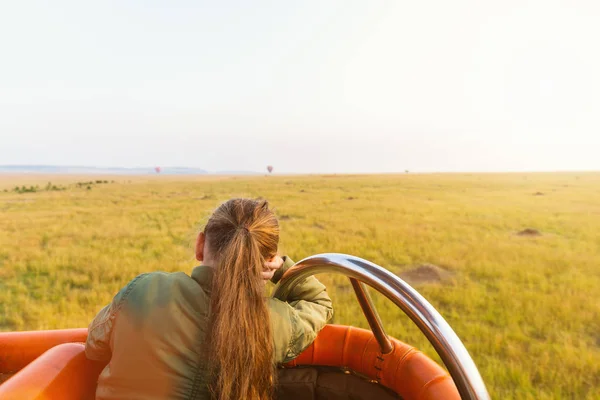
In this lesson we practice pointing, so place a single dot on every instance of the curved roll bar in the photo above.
(451, 350)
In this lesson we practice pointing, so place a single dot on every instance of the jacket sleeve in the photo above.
(98, 343)
(297, 321)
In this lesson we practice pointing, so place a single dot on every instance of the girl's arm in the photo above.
(297, 321)
(97, 345)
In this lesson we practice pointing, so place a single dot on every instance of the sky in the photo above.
(306, 86)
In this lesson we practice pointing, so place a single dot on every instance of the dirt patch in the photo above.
(538, 194)
(345, 288)
(529, 232)
(319, 226)
(352, 198)
(425, 273)
(285, 217)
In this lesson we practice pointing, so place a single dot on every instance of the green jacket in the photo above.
(153, 333)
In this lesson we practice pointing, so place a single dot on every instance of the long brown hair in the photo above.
(242, 233)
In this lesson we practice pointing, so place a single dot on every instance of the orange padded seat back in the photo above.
(406, 371)
(17, 349)
(63, 372)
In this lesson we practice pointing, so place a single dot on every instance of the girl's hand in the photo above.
(270, 267)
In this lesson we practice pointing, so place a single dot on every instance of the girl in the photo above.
(214, 334)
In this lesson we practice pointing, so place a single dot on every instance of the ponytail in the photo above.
(240, 337)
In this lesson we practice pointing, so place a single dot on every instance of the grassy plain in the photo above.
(527, 308)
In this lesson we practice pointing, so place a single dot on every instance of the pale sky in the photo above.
(307, 86)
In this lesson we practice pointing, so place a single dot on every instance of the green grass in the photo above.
(527, 308)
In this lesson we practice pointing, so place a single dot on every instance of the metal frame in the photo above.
(451, 350)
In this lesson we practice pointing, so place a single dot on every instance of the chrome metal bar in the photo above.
(366, 303)
(451, 350)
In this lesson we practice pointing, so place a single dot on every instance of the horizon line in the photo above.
(178, 170)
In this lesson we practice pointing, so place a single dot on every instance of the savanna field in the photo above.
(527, 307)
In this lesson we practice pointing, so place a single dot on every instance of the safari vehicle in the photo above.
(343, 362)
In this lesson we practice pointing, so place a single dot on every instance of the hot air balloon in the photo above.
(270, 168)
(157, 169)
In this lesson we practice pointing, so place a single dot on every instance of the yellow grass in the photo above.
(527, 308)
